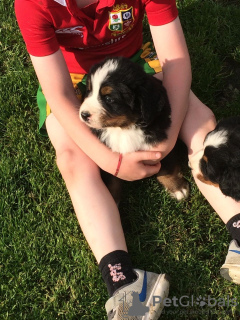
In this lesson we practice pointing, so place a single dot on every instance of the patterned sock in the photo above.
(233, 226)
(117, 270)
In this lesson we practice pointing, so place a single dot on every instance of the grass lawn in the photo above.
(47, 270)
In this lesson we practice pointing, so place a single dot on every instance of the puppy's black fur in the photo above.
(221, 164)
(138, 96)
(134, 101)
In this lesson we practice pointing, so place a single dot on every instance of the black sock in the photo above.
(233, 226)
(117, 270)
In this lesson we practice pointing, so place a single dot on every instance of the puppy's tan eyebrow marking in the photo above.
(106, 90)
(205, 158)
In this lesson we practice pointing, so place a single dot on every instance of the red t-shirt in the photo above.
(88, 35)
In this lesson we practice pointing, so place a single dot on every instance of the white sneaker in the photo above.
(140, 300)
(231, 268)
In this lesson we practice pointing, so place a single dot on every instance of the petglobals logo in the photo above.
(138, 306)
(201, 301)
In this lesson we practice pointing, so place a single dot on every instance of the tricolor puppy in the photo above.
(129, 111)
(219, 161)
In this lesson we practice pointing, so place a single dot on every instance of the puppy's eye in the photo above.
(108, 99)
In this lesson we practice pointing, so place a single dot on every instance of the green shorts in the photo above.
(146, 57)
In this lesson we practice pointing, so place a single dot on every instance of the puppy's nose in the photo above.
(85, 115)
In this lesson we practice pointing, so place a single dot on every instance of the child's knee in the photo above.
(74, 166)
(66, 161)
(199, 121)
(206, 123)
(208, 119)
(202, 117)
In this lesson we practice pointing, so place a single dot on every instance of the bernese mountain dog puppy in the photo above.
(129, 111)
(218, 163)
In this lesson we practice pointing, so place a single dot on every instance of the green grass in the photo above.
(47, 270)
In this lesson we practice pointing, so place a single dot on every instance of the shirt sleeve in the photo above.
(36, 27)
(160, 12)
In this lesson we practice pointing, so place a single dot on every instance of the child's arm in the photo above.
(56, 83)
(173, 54)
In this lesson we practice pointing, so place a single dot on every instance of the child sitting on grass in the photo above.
(64, 39)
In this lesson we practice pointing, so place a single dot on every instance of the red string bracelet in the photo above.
(119, 164)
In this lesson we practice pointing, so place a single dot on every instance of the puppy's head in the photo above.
(214, 158)
(117, 93)
(220, 165)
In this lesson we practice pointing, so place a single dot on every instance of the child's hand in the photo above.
(139, 165)
(165, 147)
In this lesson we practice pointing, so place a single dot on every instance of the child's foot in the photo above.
(142, 299)
(231, 268)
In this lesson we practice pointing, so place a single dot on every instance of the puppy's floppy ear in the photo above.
(153, 100)
(229, 183)
(208, 169)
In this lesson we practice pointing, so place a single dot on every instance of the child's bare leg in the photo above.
(98, 215)
(95, 208)
(198, 122)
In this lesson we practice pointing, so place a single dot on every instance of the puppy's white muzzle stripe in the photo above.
(100, 75)
(92, 102)
(216, 138)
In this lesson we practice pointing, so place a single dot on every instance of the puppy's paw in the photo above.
(176, 185)
(181, 193)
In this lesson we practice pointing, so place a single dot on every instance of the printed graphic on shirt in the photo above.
(121, 20)
(74, 30)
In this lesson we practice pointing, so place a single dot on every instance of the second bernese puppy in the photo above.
(218, 163)
(129, 111)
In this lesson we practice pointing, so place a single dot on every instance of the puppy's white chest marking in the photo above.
(124, 140)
